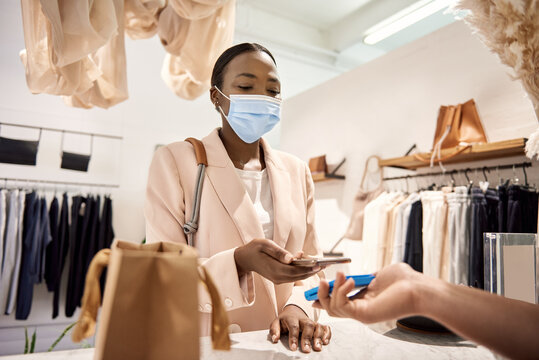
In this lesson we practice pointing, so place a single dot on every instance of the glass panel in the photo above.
(511, 265)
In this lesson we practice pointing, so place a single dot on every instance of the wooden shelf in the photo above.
(318, 177)
(477, 152)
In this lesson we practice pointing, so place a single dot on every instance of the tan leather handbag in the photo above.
(458, 127)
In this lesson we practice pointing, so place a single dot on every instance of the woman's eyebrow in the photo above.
(249, 75)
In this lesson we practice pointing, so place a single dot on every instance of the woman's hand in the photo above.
(271, 261)
(391, 295)
(293, 321)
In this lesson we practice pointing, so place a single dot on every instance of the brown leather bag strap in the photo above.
(447, 157)
(200, 151)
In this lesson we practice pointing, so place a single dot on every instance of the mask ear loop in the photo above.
(219, 106)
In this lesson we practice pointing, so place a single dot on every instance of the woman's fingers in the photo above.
(291, 323)
(317, 337)
(323, 295)
(307, 327)
(327, 334)
(275, 251)
(275, 330)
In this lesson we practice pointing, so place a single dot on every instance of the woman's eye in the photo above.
(245, 87)
(274, 92)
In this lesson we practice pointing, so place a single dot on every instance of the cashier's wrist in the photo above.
(428, 295)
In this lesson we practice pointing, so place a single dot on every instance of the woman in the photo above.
(257, 206)
(507, 326)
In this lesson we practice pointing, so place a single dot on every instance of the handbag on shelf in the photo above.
(150, 305)
(458, 127)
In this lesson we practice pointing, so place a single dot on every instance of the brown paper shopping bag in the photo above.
(150, 305)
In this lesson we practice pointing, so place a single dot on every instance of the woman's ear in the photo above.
(214, 97)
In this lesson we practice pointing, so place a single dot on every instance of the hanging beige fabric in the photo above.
(196, 9)
(141, 17)
(150, 303)
(78, 28)
(193, 47)
(110, 87)
(42, 75)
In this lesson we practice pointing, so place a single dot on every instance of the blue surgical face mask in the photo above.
(251, 116)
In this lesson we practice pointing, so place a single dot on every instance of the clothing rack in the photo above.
(522, 165)
(40, 128)
(5, 179)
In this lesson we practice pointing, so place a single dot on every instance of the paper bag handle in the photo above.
(447, 157)
(91, 300)
(219, 316)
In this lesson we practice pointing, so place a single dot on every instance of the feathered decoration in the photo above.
(510, 28)
(532, 145)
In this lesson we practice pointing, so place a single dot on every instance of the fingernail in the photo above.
(326, 341)
(307, 346)
(316, 268)
(288, 258)
(318, 343)
(274, 338)
(294, 346)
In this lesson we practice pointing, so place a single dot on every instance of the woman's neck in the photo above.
(244, 156)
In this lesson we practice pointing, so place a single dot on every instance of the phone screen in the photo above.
(321, 261)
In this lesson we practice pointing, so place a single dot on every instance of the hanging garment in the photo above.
(110, 86)
(29, 273)
(51, 257)
(12, 251)
(502, 208)
(20, 152)
(413, 249)
(78, 207)
(478, 226)
(401, 225)
(84, 249)
(3, 217)
(194, 37)
(90, 71)
(141, 17)
(493, 202)
(374, 212)
(362, 198)
(46, 71)
(93, 237)
(385, 248)
(44, 238)
(402, 214)
(434, 225)
(62, 251)
(521, 210)
(458, 224)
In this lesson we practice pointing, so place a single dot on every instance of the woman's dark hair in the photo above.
(231, 53)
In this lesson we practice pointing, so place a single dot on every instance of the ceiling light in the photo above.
(404, 18)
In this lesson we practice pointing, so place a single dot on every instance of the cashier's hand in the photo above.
(389, 296)
(294, 321)
(271, 261)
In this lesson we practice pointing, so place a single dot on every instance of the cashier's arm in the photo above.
(509, 327)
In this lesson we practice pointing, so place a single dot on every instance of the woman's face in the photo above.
(248, 73)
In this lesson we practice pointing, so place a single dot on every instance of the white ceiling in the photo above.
(317, 13)
(328, 33)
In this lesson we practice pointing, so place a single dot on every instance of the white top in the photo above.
(257, 185)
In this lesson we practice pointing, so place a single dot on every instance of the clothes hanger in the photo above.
(469, 181)
(514, 180)
(485, 170)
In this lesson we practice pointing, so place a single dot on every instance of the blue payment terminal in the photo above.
(360, 280)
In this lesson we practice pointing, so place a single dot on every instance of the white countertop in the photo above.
(351, 340)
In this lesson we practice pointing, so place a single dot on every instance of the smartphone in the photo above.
(361, 281)
(321, 261)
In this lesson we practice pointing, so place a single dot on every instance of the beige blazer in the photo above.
(228, 220)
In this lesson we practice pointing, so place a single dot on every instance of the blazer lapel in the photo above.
(280, 189)
(230, 190)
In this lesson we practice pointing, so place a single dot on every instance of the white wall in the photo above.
(152, 115)
(385, 106)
